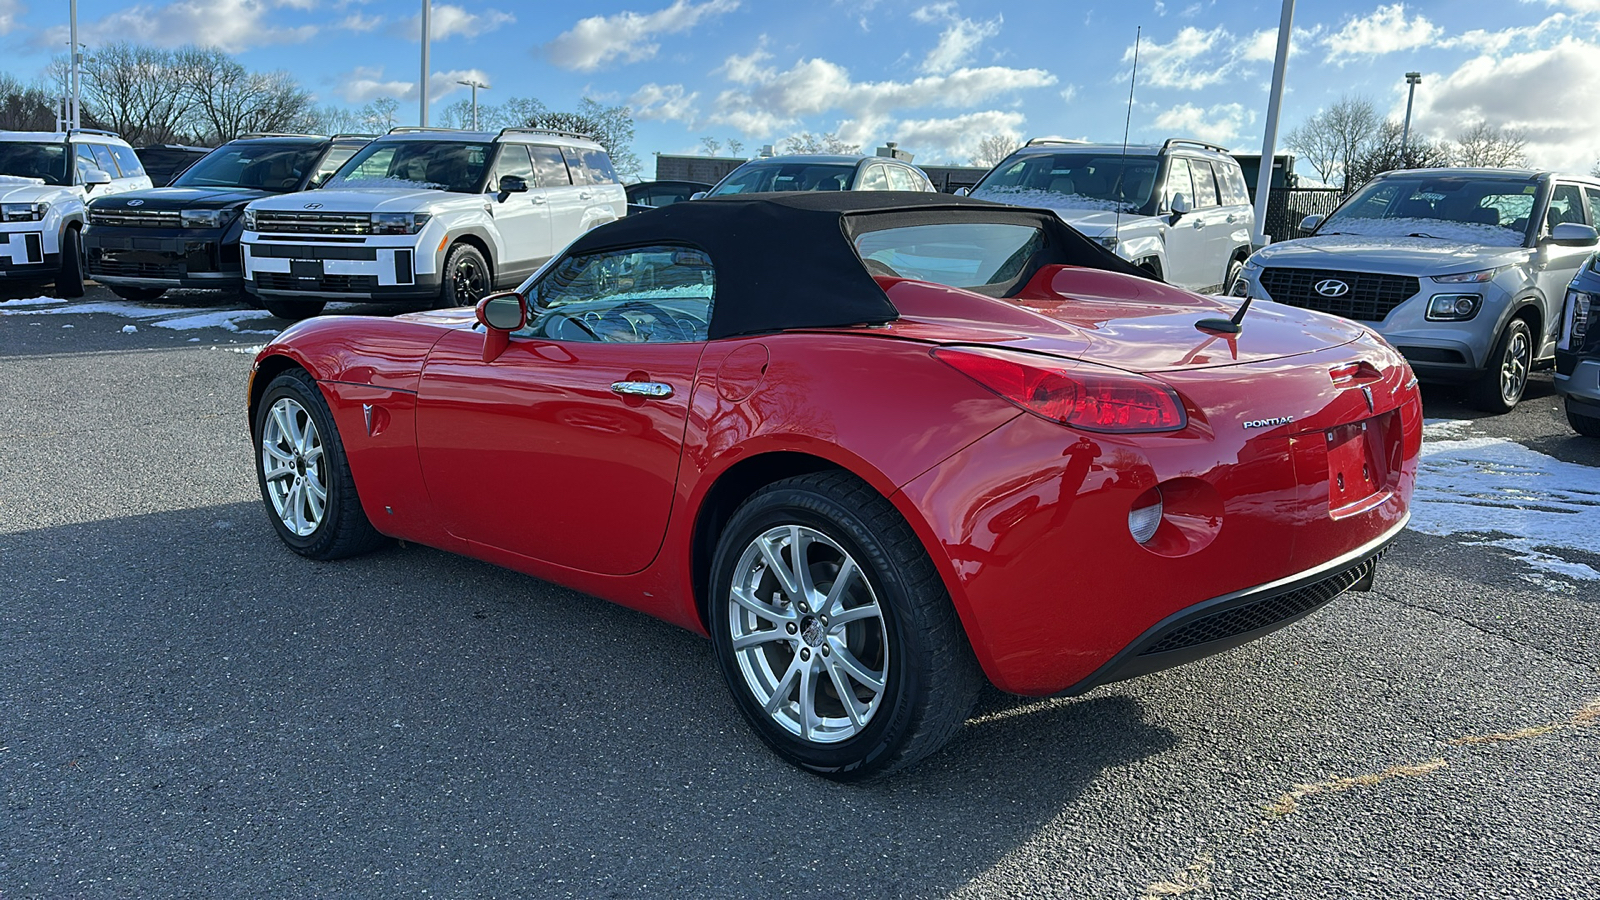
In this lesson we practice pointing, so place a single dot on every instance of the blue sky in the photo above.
(935, 76)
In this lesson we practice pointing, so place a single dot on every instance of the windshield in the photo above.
(958, 254)
(48, 162)
(1473, 209)
(437, 165)
(793, 176)
(275, 167)
(1099, 181)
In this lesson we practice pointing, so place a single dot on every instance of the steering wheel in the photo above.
(687, 330)
(559, 323)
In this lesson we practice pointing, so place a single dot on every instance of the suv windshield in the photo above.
(1100, 181)
(437, 165)
(958, 254)
(48, 162)
(1475, 209)
(795, 176)
(269, 167)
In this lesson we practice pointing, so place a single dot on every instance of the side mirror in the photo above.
(1180, 205)
(1574, 234)
(500, 314)
(513, 184)
(697, 195)
(963, 192)
(1310, 223)
(93, 178)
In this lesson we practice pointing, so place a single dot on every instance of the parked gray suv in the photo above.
(1463, 270)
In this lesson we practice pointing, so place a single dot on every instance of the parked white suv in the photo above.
(46, 177)
(429, 214)
(1180, 210)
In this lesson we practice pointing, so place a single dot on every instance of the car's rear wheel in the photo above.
(1500, 386)
(138, 294)
(69, 283)
(466, 277)
(1588, 426)
(834, 631)
(1230, 280)
(304, 474)
(293, 310)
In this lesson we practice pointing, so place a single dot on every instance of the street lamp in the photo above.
(1270, 138)
(74, 118)
(1413, 79)
(474, 84)
(427, 11)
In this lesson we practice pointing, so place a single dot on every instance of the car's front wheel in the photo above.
(1588, 426)
(69, 282)
(466, 277)
(834, 631)
(304, 474)
(1500, 387)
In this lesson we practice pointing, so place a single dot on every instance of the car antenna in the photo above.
(1226, 326)
(1122, 170)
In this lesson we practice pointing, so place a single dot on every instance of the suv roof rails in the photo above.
(354, 134)
(1191, 143)
(1038, 141)
(522, 129)
(94, 131)
(267, 134)
(415, 129)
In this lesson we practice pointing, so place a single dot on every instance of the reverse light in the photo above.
(1478, 277)
(1145, 516)
(399, 223)
(204, 218)
(23, 212)
(1452, 307)
(1077, 394)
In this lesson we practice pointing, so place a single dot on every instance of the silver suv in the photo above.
(1463, 270)
(1179, 210)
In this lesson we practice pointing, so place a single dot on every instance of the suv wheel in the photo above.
(466, 277)
(1588, 426)
(1501, 385)
(69, 284)
(1232, 278)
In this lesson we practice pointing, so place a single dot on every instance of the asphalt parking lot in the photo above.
(188, 709)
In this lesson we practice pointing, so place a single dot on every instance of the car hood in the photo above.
(27, 190)
(1098, 222)
(1388, 255)
(359, 200)
(182, 198)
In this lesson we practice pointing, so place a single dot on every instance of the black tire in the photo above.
(1232, 278)
(1588, 426)
(69, 284)
(293, 310)
(466, 277)
(1153, 266)
(930, 680)
(1500, 387)
(343, 528)
(138, 294)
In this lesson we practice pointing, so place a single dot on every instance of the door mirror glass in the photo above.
(1310, 223)
(1573, 234)
(502, 312)
(513, 184)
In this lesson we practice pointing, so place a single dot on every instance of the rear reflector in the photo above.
(1082, 395)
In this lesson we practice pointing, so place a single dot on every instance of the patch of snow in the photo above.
(1466, 232)
(130, 329)
(1021, 196)
(391, 183)
(227, 319)
(69, 326)
(251, 350)
(1485, 487)
(30, 301)
(169, 317)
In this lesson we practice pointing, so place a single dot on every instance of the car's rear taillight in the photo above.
(1082, 395)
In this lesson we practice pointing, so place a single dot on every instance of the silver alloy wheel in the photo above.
(809, 634)
(291, 463)
(1514, 366)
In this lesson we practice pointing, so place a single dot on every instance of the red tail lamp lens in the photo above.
(1077, 394)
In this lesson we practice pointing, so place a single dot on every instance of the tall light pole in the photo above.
(427, 12)
(474, 84)
(1413, 79)
(1269, 140)
(74, 120)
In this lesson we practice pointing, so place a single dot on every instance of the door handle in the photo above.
(586, 195)
(538, 200)
(654, 389)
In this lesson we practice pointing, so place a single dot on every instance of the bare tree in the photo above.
(807, 143)
(994, 148)
(1490, 147)
(1595, 169)
(710, 146)
(25, 107)
(227, 100)
(1333, 139)
(735, 146)
(1385, 153)
(138, 91)
(335, 120)
(610, 126)
(379, 115)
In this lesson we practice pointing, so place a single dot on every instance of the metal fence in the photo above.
(1287, 206)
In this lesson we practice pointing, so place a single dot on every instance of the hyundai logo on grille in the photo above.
(313, 206)
(1332, 287)
(135, 202)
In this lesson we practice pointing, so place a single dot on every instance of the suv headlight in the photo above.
(1109, 242)
(204, 218)
(249, 219)
(1246, 280)
(1579, 304)
(23, 212)
(1469, 277)
(1453, 307)
(399, 223)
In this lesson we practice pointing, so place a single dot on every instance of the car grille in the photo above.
(1370, 298)
(136, 218)
(110, 265)
(313, 222)
(283, 281)
(1265, 613)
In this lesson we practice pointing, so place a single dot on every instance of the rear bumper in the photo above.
(136, 257)
(1581, 384)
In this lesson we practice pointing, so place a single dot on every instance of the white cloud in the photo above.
(1069, 93)
(1218, 125)
(1516, 92)
(1526, 37)
(364, 84)
(960, 39)
(233, 25)
(1193, 59)
(1580, 6)
(1386, 30)
(10, 11)
(955, 138)
(598, 40)
(358, 22)
(663, 103)
(447, 21)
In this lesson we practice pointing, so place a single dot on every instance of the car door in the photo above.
(565, 448)
(1217, 229)
(1557, 264)
(1185, 242)
(561, 190)
(522, 217)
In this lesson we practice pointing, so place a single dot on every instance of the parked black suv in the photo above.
(141, 243)
(164, 162)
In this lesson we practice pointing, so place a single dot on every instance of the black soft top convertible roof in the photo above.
(787, 260)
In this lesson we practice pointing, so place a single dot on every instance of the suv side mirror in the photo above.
(93, 178)
(500, 314)
(697, 195)
(1574, 234)
(513, 184)
(1180, 205)
(1310, 223)
(963, 192)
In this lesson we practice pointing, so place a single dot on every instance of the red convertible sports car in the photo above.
(879, 447)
